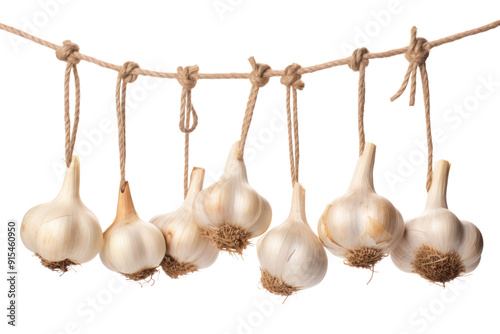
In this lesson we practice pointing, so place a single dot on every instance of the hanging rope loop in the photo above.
(187, 78)
(66, 53)
(358, 64)
(125, 76)
(292, 81)
(417, 54)
(188, 81)
(258, 81)
(358, 60)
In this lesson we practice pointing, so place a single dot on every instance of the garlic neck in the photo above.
(125, 208)
(298, 208)
(234, 165)
(195, 185)
(71, 183)
(363, 174)
(436, 197)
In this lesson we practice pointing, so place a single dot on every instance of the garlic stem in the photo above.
(125, 208)
(235, 165)
(195, 185)
(436, 197)
(362, 178)
(71, 183)
(298, 209)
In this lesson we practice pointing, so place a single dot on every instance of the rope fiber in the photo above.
(270, 73)
(416, 54)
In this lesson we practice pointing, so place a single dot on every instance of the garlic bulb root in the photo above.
(437, 266)
(144, 275)
(363, 257)
(229, 212)
(63, 232)
(361, 226)
(437, 245)
(174, 269)
(276, 285)
(228, 238)
(187, 250)
(59, 266)
(132, 247)
(291, 256)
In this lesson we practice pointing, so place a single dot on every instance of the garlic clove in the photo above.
(437, 245)
(230, 213)
(361, 226)
(132, 247)
(187, 250)
(290, 255)
(472, 246)
(63, 232)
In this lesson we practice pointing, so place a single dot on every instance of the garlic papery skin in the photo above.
(132, 247)
(229, 212)
(437, 245)
(291, 256)
(361, 226)
(187, 250)
(63, 232)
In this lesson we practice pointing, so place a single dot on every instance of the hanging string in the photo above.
(67, 53)
(292, 80)
(358, 63)
(416, 54)
(125, 76)
(188, 81)
(258, 81)
(270, 73)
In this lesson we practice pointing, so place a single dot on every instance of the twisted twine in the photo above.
(292, 81)
(258, 81)
(125, 76)
(67, 53)
(188, 81)
(416, 54)
(358, 63)
(270, 73)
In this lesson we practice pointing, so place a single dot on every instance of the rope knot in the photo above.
(418, 51)
(66, 52)
(126, 72)
(257, 77)
(291, 78)
(357, 59)
(186, 76)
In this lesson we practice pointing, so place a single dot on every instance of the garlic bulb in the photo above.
(361, 226)
(230, 212)
(187, 250)
(437, 245)
(290, 255)
(132, 247)
(63, 232)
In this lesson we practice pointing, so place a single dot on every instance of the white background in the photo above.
(226, 298)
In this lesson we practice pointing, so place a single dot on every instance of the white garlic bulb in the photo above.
(230, 212)
(437, 245)
(361, 226)
(132, 247)
(187, 249)
(290, 255)
(63, 232)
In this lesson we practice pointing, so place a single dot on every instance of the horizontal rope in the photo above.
(269, 73)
